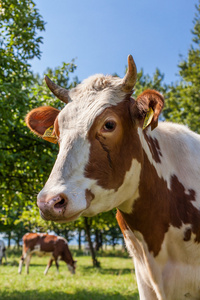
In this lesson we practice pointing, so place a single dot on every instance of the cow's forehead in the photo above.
(95, 84)
(89, 99)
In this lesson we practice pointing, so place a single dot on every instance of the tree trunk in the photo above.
(96, 263)
(100, 240)
(9, 237)
(113, 243)
(66, 234)
(18, 240)
(79, 239)
(97, 246)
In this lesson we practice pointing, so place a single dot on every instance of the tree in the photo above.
(183, 99)
(39, 154)
(19, 42)
(144, 81)
(26, 160)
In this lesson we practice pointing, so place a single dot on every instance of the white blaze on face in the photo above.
(67, 176)
(89, 99)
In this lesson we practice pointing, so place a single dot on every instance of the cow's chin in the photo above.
(60, 219)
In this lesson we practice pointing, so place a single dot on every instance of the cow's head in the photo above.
(99, 145)
(72, 266)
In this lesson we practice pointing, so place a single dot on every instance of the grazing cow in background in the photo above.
(45, 244)
(113, 154)
(2, 251)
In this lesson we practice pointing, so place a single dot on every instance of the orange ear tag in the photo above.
(49, 136)
(148, 118)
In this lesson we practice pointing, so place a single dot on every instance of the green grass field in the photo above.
(114, 280)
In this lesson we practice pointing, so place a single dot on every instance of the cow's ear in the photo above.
(40, 119)
(147, 108)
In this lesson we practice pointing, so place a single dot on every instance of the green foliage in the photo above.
(41, 155)
(144, 81)
(19, 42)
(19, 24)
(183, 99)
(26, 160)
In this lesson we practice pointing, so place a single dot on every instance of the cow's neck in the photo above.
(150, 212)
(159, 206)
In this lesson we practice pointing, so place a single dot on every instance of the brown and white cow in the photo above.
(45, 244)
(107, 160)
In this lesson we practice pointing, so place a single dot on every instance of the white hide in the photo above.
(174, 274)
(180, 148)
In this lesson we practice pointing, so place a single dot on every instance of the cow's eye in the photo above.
(109, 126)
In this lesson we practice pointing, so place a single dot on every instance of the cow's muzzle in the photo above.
(57, 209)
(54, 208)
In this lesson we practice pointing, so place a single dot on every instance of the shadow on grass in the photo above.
(107, 271)
(79, 295)
(14, 262)
(117, 271)
(104, 253)
(90, 269)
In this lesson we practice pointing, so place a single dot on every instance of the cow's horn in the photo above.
(130, 78)
(59, 92)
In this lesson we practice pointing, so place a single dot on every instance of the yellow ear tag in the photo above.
(148, 118)
(49, 136)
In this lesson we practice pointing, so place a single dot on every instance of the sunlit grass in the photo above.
(114, 280)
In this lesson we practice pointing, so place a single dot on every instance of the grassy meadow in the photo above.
(114, 280)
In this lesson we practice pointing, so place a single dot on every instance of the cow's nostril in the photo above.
(60, 204)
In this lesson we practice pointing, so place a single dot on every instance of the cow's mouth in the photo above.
(50, 217)
(42, 216)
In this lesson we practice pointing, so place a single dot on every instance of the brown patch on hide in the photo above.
(159, 207)
(154, 148)
(111, 154)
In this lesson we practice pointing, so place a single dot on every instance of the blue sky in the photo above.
(101, 34)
